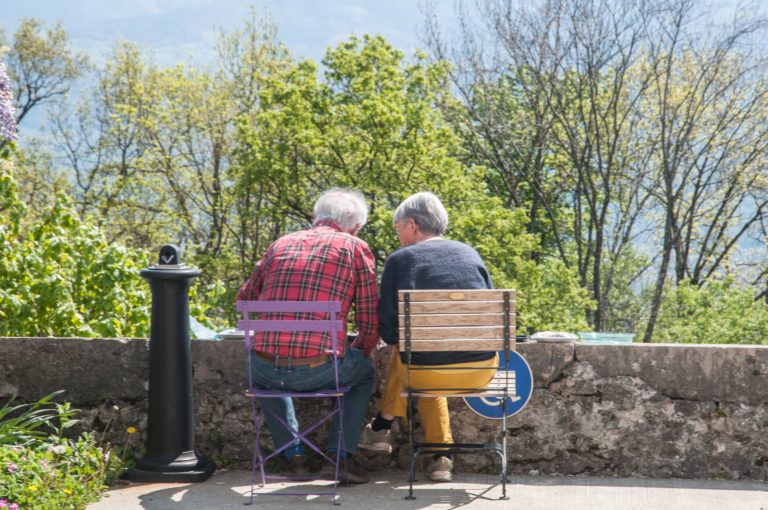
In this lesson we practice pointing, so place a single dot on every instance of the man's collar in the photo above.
(326, 223)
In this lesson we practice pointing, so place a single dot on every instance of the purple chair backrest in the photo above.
(332, 325)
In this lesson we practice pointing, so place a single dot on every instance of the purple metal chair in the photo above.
(333, 326)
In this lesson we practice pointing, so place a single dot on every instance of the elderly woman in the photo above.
(426, 260)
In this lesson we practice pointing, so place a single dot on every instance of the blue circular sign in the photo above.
(517, 375)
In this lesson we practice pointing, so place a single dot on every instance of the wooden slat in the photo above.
(451, 307)
(455, 319)
(425, 393)
(464, 344)
(456, 332)
(457, 295)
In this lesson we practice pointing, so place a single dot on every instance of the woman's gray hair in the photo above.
(426, 210)
(346, 208)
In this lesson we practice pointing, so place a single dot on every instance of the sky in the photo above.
(175, 30)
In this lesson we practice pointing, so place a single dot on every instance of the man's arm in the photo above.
(252, 288)
(366, 300)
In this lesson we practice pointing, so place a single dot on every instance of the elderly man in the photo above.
(324, 263)
(426, 260)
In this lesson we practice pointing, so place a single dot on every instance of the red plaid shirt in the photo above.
(319, 264)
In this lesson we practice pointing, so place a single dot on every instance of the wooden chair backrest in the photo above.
(457, 320)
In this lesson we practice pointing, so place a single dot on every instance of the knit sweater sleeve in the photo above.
(388, 302)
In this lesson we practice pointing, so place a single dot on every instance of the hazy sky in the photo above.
(173, 30)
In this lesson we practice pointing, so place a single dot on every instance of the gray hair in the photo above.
(426, 210)
(346, 208)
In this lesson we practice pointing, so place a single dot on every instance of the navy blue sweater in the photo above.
(435, 264)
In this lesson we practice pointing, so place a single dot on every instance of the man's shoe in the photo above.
(297, 468)
(440, 469)
(379, 441)
(355, 473)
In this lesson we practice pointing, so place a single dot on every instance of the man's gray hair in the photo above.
(346, 208)
(426, 210)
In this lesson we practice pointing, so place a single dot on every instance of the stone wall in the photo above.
(655, 410)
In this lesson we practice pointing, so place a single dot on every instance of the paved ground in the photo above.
(229, 489)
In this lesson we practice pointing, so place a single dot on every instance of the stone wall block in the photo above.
(89, 370)
(549, 360)
(710, 372)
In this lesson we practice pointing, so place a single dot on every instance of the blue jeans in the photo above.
(354, 369)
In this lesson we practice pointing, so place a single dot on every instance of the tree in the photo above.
(717, 312)
(710, 104)
(602, 117)
(553, 113)
(58, 275)
(41, 65)
(42, 69)
(47, 285)
(373, 123)
(150, 147)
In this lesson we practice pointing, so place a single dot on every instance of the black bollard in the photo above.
(171, 455)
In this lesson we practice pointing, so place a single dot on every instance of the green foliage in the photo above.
(39, 468)
(58, 276)
(11, 210)
(548, 293)
(625, 306)
(718, 312)
(38, 180)
(150, 147)
(552, 298)
(31, 424)
(61, 278)
(372, 123)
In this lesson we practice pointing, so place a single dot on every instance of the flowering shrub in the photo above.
(66, 474)
(39, 468)
(8, 131)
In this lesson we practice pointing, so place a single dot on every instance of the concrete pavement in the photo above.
(387, 489)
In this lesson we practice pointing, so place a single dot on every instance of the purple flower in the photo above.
(12, 467)
(3, 503)
(13, 506)
(8, 130)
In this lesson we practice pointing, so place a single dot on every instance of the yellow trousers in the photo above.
(433, 411)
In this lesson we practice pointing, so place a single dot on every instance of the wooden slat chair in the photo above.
(456, 321)
(333, 326)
